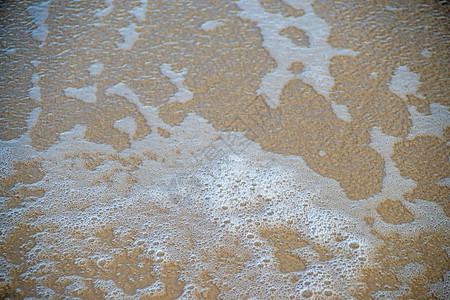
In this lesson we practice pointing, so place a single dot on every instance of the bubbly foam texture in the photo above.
(251, 214)
(442, 287)
(242, 219)
(187, 211)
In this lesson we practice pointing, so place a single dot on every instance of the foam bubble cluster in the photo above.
(251, 149)
(101, 230)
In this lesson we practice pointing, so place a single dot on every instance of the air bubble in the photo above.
(307, 294)
(354, 245)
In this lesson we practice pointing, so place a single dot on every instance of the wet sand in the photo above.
(224, 149)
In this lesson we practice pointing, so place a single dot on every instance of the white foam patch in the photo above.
(122, 90)
(183, 95)
(86, 94)
(126, 125)
(315, 58)
(82, 206)
(410, 272)
(394, 185)
(305, 4)
(40, 12)
(239, 190)
(211, 25)
(426, 53)
(425, 212)
(198, 201)
(18, 149)
(179, 206)
(35, 90)
(9, 51)
(405, 82)
(96, 69)
(150, 113)
(434, 124)
(101, 13)
(428, 216)
(35, 63)
(441, 289)
(130, 36)
(391, 8)
(180, 212)
(140, 11)
(341, 111)
(32, 120)
(444, 181)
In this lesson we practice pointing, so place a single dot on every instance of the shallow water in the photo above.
(224, 149)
